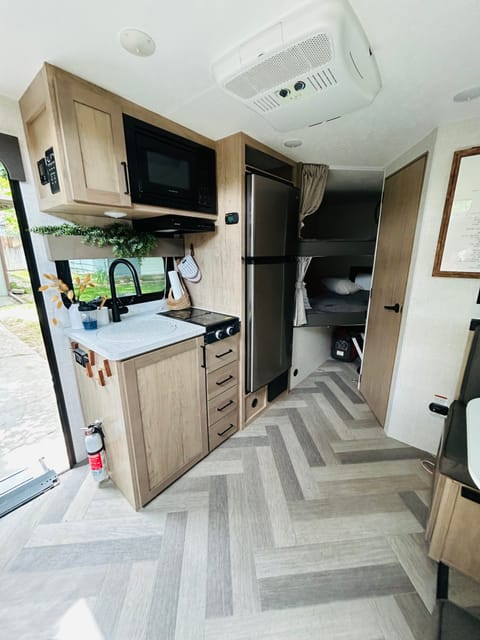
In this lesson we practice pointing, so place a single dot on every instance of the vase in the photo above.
(75, 317)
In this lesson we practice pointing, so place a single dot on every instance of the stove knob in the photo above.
(230, 330)
(219, 334)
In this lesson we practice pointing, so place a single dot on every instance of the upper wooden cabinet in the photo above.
(92, 128)
(80, 126)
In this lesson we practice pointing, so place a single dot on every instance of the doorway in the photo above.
(401, 202)
(31, 422)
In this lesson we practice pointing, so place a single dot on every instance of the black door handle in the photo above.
(125, 173)
(392, 307)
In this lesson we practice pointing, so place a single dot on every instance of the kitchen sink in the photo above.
(135, 334)
(136, 330)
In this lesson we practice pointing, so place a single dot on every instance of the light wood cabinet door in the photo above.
(165, 392)
(105, 403)
(92, 129)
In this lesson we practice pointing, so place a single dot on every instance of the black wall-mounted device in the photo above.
(52, 170)
(81, 357)
(441, 409)
(474, 323)
(231, 218)
(47, 170)
(42, 171)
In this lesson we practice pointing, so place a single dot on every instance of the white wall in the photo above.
(311, 347)
(437, 312)
(11, 123)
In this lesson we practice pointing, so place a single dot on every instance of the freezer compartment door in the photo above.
(272, 217)
(270, 306)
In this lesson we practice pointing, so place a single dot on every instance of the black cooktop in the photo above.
(199, 316)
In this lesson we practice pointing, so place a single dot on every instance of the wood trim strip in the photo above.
(447, 210)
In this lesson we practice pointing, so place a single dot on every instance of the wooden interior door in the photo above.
(401, 200)
(95, 151)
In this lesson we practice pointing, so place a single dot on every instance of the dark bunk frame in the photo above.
(355, 251)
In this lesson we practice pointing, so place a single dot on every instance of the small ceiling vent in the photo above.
(314, 65)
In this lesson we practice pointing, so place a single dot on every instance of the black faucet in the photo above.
(117, 309)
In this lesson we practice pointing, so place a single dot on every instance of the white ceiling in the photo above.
(426, 52)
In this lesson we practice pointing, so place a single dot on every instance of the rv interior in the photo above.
(251, 236)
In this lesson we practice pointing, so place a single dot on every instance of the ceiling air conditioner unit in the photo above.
(313, 65)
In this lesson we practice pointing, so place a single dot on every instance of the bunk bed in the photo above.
(331, 308)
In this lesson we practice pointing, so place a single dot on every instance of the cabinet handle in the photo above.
(220, 382)
(225, 406)
(227, 429)
(221, 355)
(125, 173)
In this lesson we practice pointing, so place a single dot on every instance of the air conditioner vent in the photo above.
(282, 67)
(317, 50)
(242, 87)
(267, 103)
(313, 65)
(322, 80)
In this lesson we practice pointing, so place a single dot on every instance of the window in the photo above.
(151, 273)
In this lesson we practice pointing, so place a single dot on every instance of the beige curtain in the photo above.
(312, 189)
(301, 297)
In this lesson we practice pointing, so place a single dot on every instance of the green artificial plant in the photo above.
(125, 241)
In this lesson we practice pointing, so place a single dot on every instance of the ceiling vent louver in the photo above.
(313, 66)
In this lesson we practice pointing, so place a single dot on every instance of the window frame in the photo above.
(65, 274)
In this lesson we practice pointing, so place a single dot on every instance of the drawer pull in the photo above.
(222, 355)
(225, 406)
(222, 433)
(220, 382)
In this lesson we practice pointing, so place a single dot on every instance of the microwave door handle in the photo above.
(125, 173)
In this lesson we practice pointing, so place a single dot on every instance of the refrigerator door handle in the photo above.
(249, 329)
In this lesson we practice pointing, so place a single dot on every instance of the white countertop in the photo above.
(135, 334)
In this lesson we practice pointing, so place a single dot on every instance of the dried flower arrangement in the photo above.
(63, 292)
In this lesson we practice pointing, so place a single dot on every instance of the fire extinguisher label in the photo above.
(95, 461)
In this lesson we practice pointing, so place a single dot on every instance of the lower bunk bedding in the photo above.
(333, 309)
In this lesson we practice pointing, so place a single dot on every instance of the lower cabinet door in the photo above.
(167, 414)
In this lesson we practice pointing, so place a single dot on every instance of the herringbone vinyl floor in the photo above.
(308, 524)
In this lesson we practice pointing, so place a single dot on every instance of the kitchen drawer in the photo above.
(222, 379)
(220, 353)
(222, 430)
(222, 404)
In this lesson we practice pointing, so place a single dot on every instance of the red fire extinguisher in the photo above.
(95, 446)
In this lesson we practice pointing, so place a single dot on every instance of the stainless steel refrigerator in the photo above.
(272, 230)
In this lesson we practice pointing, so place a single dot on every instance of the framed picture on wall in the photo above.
(458, 247)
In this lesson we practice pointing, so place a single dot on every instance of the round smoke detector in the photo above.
(292, 144)
(137, 42)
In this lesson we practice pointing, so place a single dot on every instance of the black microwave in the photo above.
(166, 170)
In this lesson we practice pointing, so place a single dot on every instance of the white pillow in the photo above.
(342, 286)
(364, 281)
